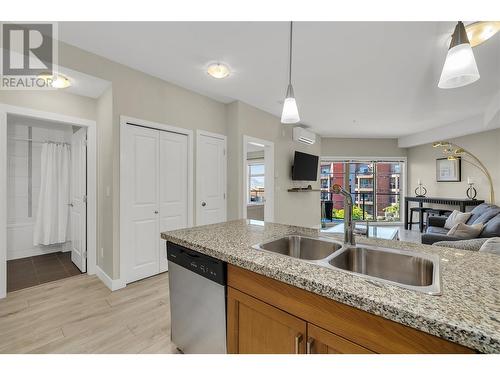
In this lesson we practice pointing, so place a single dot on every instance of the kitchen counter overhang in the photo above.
(467, 312)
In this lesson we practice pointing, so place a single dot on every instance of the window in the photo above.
(376, 187)
(256, 177)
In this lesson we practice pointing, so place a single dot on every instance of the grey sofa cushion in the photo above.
(472, 245)
(430, 238)
(492, 228)
(478, 211)
(487, 215)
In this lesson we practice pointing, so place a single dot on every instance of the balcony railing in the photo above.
(362, 200)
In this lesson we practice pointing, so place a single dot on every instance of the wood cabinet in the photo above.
(269, 316)
(259, 328)
(320, 341)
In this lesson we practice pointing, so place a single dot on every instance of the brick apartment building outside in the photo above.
(361, 184)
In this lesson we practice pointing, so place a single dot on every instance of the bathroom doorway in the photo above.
(45, 232)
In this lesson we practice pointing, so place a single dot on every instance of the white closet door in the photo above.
(173, 186)
(78, 204)
(210, 179)
(141, 248)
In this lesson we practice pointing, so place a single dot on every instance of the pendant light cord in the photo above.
(290, 62)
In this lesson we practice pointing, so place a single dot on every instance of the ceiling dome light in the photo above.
(56, 81)
(479, 32)
(60, 82)
(460, 67)
(218, 70)
(290, 114)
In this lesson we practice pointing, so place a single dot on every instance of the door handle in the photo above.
(309, 345)
(70, 204)
(156, 212)
(203, 204)
(298, 340)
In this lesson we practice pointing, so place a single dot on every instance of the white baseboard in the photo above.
(109, 282)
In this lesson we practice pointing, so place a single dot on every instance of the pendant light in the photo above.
(480, 31)
(460, 67)
(290, 114)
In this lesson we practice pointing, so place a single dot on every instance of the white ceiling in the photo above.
(351, 79)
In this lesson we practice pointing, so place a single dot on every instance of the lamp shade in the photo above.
(460, 68)
(290, 114)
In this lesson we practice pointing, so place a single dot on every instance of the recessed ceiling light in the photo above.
(56, 81)
(480, 31)
(218, 70)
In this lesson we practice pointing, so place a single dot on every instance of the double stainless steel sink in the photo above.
(301, 247)
(404, 268)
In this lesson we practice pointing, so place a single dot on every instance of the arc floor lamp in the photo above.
(453, 151)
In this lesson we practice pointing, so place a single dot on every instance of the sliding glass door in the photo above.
(376, 187)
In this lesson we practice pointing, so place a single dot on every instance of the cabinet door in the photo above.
(254, 327)
(320, 341)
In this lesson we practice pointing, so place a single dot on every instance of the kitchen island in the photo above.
(464, 318)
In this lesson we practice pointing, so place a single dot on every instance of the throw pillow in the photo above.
(455, 218)
(492, 245)
(461, 230)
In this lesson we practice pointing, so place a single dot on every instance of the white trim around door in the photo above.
(5, 110)
(199, 135)
(268, 179)
(124, 122)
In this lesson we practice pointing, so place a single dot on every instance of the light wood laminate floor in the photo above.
(81, 315)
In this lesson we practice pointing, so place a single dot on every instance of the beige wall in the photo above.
(243, 119)
(104, 180)
(145, 97)
(133, 94)
(142, 96)
(52, 101)
(485, 145)
(351, 147)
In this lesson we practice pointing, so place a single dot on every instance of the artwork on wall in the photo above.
(449, 170)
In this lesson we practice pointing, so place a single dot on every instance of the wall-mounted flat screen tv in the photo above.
(305, 167)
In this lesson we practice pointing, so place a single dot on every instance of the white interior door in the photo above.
(173, 186)
(78, 203)
(210, 179)
(141, 224)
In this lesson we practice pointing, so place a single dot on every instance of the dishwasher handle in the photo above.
(194, 261)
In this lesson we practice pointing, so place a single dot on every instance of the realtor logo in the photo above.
(28, 55)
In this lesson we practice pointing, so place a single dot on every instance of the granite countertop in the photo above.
(467, 312)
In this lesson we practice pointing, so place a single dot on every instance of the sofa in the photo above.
(487, 214)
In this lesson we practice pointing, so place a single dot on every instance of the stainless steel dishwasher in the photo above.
(197, 285)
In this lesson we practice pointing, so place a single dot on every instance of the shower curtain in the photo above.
(51, 222)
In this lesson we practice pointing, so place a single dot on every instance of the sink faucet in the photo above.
(348, 222)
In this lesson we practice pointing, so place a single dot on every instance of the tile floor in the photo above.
(27, 272)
